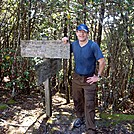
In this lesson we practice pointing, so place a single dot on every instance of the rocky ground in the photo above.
(26, 115)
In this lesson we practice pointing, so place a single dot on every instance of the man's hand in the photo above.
(93, 79)
(65, 40)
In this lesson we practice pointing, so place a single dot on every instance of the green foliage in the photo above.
(3, 106)
(119, 117)
(11, 102)
(116, 118)
(17, 70)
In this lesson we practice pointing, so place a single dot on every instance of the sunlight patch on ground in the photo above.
(22, 120)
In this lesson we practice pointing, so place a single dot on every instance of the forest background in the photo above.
(111, 25)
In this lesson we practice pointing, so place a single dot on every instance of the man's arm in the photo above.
(95, 78)
(101, 66)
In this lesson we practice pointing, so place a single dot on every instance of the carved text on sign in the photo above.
(45, 49)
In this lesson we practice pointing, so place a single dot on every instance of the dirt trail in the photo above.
(27, 116)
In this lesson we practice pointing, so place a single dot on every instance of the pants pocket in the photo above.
(75, 76)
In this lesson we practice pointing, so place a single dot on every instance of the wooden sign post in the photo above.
(48, 98)
(52, 52)
(45, 71)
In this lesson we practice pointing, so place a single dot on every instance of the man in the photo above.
(86, 54)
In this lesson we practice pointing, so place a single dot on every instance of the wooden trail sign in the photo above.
(45, 49)
(55, 50)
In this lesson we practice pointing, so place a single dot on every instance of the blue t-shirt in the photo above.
(85, 57)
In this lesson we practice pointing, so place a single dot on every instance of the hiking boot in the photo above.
(77, 123)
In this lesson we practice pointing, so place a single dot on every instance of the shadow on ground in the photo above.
(27, 116)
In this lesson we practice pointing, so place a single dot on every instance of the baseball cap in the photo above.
(83, 27)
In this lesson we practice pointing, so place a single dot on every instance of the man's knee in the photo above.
(90, 105)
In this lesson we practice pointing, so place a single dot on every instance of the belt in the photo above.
(82, 78)
(88, 75)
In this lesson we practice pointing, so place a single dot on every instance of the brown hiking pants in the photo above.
(84, 101)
